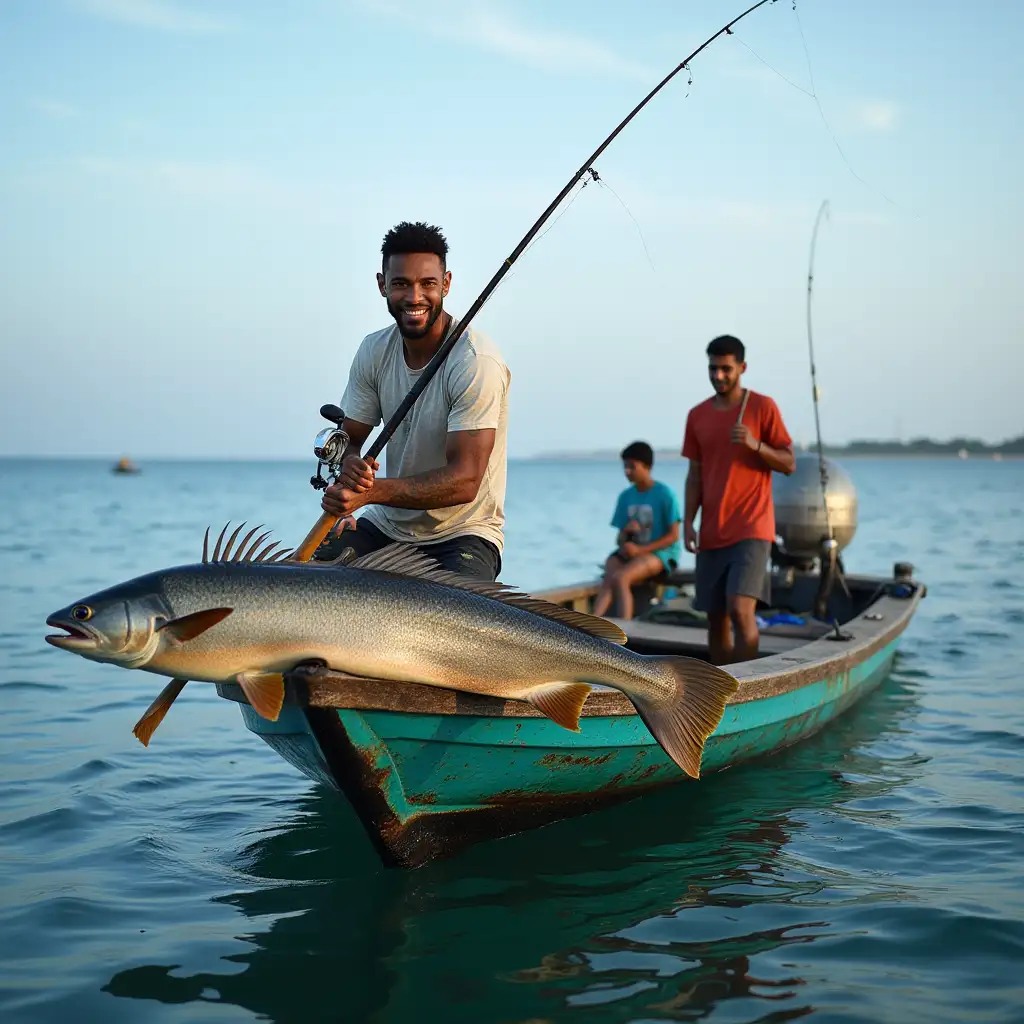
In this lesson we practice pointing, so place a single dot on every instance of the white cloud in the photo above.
(162, 15)
(56, 109)
(876, 116)
(483, 24)
(742, 215)
(221, 186)
(209, 182)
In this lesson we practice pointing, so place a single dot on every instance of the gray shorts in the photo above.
(740, 570)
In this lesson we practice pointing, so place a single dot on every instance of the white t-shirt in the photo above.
(469, 392)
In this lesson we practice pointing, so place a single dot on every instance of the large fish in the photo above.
(393, 614)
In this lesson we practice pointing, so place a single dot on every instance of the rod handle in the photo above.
(324, 525)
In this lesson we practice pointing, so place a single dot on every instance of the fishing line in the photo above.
(821, 112)
(550, 227)
(562, 213)
(774, 71)
(456, 330)
(643, 242)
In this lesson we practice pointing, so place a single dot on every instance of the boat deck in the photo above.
(662, 638)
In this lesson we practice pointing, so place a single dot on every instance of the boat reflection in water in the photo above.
(667, 906)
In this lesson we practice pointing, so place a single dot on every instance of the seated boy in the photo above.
(647, 517)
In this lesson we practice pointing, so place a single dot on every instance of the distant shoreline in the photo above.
(960, 448)
(1010, 450)
(672, 456)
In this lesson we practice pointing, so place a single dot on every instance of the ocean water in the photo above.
(873, 873)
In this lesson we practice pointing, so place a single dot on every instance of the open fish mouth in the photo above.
(74, 638)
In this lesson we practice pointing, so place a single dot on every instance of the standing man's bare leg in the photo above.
(720, 638)
(742, 611)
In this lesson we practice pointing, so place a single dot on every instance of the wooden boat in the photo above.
(431, 771)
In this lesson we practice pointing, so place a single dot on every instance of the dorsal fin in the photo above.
(225, 555)
(243, 553)
(405, 560)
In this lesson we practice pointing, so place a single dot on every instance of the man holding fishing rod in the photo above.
(445, 488)
(734, 441)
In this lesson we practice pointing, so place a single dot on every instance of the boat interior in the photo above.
(665, 621)
(859, 611)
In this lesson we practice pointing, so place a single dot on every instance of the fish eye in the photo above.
(81, 613)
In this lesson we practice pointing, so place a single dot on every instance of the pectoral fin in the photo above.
(264, 691)
(154, 714)
(188, 627)
(561, 702)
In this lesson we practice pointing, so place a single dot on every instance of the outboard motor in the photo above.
(800, 512)
(803, 528)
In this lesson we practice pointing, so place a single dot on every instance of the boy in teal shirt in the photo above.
(647, 517)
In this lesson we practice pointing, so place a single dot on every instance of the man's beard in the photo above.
(414, 334)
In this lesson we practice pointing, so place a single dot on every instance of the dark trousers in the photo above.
(468, 555)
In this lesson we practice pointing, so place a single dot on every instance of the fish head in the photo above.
(120, 625)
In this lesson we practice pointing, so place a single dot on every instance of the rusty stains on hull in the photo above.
(555, 760)
(425, 828)
(436, 835)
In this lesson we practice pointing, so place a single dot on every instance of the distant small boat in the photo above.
(125, 465)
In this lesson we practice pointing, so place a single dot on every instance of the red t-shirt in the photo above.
(736, 483)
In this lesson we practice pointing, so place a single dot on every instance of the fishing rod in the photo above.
(831, 564)
(815, 394)
(330, 444)
(327, 521)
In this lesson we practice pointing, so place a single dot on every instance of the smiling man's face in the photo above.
(414, 286)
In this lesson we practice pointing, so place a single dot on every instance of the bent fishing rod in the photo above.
(831, 563)
(327, 521)
(822, 471)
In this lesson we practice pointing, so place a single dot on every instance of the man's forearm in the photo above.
(779, 460)
(437, 488)
(693, 495)
(358, 434)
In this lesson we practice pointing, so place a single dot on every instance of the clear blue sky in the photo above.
(193, 195)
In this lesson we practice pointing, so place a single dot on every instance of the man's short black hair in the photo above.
(727, 345)
(639, 451)
(414, 237)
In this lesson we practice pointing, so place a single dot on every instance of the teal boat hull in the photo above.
(426, 785)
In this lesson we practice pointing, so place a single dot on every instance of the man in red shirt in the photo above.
(734, 441)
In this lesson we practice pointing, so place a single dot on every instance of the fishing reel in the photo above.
(329, 447)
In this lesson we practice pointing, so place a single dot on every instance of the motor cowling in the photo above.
(800, 520)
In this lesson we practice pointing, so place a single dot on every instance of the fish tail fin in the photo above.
(683, 720)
